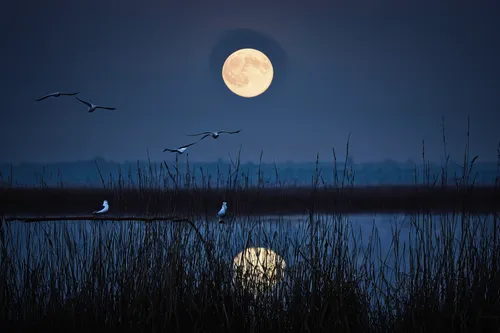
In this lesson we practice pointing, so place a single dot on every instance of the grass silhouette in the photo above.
(179, 276)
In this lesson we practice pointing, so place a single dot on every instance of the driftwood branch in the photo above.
(208, 246)
(94, 218)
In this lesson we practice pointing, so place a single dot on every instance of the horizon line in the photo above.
(340, 162)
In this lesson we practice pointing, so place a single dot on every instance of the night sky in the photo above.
(387, 73)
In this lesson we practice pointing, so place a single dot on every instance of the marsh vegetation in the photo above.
(180, 276)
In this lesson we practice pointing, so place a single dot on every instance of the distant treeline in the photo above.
(88, 173)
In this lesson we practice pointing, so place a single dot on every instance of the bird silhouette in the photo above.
(214, 135)
(93, 107)
(181, 149)
(56, 94)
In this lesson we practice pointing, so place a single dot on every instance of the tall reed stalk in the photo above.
(180, 277)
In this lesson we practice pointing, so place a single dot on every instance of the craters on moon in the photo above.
(247, 72)
(236, 71)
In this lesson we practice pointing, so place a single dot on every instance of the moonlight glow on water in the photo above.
(258, 267)
(264, 249)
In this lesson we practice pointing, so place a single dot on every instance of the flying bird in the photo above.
(181, 149)
(222, 212)
(93, 107)
(105, 208)
(56, 94)
(214, 135)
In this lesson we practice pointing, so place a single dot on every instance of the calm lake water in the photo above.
(288, 236)
(378, 245)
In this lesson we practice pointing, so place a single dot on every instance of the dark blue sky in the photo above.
(387, 73)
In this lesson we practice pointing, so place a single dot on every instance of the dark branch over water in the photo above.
(248, 202)
(30, 219)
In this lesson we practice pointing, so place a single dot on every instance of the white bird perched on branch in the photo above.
(222, 212)
(105, 208)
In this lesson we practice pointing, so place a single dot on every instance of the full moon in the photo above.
(247, 72)
(257, 268)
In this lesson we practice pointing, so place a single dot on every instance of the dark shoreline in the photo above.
(254, 201)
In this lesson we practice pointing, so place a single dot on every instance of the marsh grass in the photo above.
(179, 276)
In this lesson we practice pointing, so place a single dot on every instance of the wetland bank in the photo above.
(370, 272)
